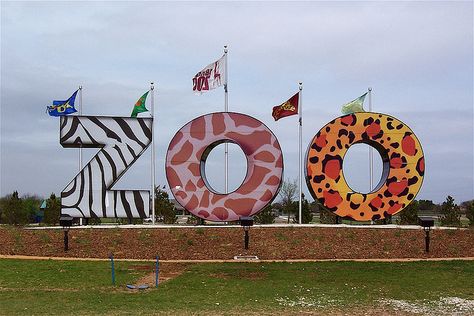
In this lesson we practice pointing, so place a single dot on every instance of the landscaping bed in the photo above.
(271, 243)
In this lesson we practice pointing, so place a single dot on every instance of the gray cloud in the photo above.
(417, 56)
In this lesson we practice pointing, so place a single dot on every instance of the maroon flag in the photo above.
(287, 108)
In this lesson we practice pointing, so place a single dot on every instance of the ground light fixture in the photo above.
(66, 222)
(246, 222)
(426, 222)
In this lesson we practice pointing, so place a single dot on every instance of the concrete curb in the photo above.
(22, 257)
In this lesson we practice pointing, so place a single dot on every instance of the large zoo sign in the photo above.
(122, 141)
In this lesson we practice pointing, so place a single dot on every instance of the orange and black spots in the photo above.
(320, 142)
(392, 140)
(420, 166)
(349, 120)
(332, 166)
(397, 188)
(332, 198)
(396, 161)
(408, 144)
(319, 178)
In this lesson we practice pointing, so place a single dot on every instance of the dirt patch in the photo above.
(167, 271)
(212, 243)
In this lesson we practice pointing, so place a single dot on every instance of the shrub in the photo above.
(409, 216)
(327, 217)
(164, 209)
(306, 215)
(470, 213)
(14, 213)
(450, 213)
(52, 212)
(266, 216)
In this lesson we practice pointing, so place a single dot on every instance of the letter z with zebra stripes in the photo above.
(122, 141)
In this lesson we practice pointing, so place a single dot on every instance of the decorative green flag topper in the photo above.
(140, 105)
(356, 105)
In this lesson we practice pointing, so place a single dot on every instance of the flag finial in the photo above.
(300, 85)
(369, 89)
(225, 49)
(152, 87)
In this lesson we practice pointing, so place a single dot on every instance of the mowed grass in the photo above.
(84, 287)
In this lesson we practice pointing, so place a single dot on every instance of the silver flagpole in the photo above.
(300, 168)
(371, 151)
(152, 89)
(80, 148)
(80, 113)
(226, 108)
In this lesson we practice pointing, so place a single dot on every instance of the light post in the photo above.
(426, 222)
(246, 222)
(66, 222)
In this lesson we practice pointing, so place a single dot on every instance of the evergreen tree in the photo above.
(306, 215)
(14, 213)
(265, 216)
(450, 213)
(325, 215)
(426, 205)
(164, 209)
(470, 213)
(409, 215)
(52, 212)
(31, 204)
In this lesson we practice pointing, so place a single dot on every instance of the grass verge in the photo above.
(81, 287)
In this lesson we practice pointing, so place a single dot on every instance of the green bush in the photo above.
(52, 212)
(164, 209)
(266, 216)
(306, 215)
(327, 217)
(13, 211)
(409, 216)
(450, 213)
(470, 213)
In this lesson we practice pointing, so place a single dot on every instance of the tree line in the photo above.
(16, 210)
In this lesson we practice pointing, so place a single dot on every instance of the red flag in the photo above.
(288, 108)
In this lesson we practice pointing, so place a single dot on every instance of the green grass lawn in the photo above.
(84, 287)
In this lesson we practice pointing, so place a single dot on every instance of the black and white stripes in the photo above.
(122, 140)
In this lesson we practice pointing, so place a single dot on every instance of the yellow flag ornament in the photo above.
(356, 105)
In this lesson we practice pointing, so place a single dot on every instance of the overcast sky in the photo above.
(417, 57)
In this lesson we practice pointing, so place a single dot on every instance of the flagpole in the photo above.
(80, 113)
(226, 109)
(371, 157)
(80, 148)
(152, 99)
(300, 168)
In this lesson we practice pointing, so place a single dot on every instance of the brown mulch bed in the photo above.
(224, 243)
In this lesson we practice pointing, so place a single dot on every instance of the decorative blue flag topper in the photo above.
(60, 108)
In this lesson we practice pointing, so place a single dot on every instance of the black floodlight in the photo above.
(426, 222)
(66, 222)
(246, 222)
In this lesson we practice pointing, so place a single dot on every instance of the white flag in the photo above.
(211, 77)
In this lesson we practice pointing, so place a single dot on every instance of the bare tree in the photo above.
(288, 193)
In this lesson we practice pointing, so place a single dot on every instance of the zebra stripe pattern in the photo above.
(122, 141)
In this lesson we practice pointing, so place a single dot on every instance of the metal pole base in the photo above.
(247, 240)
(66, 240)
(427, 241)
